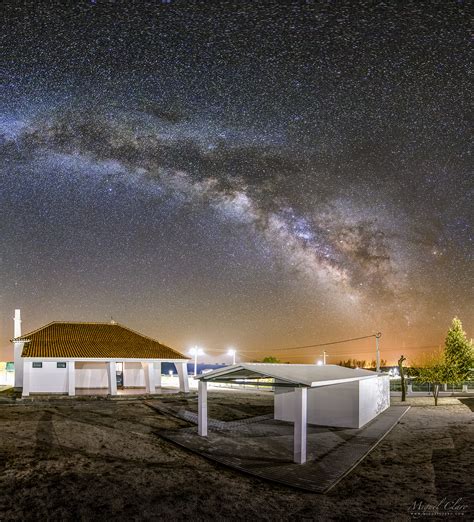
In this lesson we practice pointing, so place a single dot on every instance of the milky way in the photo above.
(258, 175)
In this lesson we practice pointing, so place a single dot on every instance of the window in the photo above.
(37, 365)
(61, 365)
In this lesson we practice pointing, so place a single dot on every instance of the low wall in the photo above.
(7, 378)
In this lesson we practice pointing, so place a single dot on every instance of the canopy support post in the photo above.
(299, 436)
(202, 408)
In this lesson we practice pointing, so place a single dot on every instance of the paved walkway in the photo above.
(264, 447)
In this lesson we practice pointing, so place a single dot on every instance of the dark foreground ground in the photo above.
(104, 460)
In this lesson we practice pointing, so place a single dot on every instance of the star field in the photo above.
(237, 174)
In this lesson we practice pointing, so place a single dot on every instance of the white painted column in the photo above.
(157, 374)
(112, 377)
(464, 388)
(26, 378)
(183, 377)
(299, 436)
(18, 362)
(17, 350)
(202, 408)
(71, 378)
(149, 370)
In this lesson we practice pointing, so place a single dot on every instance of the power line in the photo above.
(311, 345)
(339, 354)
(393, 350)
(326, 344)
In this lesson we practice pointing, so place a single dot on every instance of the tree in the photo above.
(355, 363)
(458, 352)
(435, 371)
(402, 377)
(451, 366)
(270, 359)
(347, 363)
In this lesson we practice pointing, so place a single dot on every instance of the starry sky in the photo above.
(258, 174)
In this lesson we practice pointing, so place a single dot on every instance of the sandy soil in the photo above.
(103, 460)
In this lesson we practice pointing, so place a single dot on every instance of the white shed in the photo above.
(335, 398)
(327, 395)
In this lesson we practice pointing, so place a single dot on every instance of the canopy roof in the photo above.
(295, 375)
(93, 341)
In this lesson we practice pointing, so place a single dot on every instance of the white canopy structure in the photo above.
(338, 396)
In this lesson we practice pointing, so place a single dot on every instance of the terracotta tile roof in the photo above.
(93, 340)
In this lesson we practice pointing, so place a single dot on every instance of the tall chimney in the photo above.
(17, 324)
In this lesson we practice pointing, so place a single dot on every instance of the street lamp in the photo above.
(195, 350)
(232, 353)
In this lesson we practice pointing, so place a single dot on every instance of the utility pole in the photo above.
(324, 357)
(378, 335)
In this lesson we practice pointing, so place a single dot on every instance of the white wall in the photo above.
(335, 405)
(48, 379)
(133, 375)
(346, 405)
(374, 398)
(91, 375)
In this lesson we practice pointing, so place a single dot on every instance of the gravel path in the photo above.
(103, 460)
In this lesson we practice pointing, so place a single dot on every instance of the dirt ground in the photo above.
(104, 460)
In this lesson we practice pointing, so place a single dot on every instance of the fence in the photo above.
(414, 386)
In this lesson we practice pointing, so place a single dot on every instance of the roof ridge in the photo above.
(146, 336)
(138, 333)
(21, 337)
(72, 322)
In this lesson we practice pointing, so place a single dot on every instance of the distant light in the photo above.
(232, 352)
(171, 373)
(195, 351)
(319, 363)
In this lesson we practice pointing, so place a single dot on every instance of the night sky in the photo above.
(256, 174)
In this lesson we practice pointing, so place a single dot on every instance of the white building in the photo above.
(62, 357)
(353, 399)
(326, 395)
